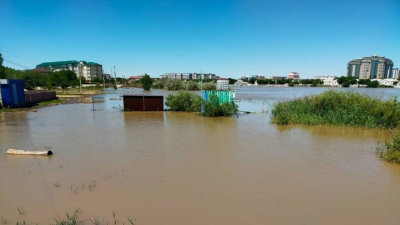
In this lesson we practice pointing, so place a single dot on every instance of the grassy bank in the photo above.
(339, 108)
(390, 151)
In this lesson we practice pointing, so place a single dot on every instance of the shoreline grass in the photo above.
(390, 151)
(339, 108)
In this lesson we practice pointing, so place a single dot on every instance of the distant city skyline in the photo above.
(228, 38)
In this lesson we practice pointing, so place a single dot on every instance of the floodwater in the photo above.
(181, 168)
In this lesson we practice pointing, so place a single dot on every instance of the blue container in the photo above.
(12, 93)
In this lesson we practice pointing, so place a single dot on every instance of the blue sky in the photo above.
(230, 38)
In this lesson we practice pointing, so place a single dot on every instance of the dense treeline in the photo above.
(190, 85)
(63, 79)
(60, 79)
(347, 81)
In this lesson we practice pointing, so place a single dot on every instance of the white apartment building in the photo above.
(328, 80)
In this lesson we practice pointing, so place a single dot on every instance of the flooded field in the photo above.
(181, 168)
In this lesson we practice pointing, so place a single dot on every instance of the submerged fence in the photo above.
(223, 96)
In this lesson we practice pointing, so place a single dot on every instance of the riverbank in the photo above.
(62, 99)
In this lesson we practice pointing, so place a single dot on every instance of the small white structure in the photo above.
(328, 80)
(387, 82)
(222, 84)
(238, 83)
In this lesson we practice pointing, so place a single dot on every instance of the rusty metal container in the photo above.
(143, 102)
(33, 97)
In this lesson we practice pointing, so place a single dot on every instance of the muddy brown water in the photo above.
(181, 168)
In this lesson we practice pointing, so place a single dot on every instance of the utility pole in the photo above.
(201, 81)
(115, 77)
(80, 77)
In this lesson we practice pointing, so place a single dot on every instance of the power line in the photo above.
(20, 55)
(17, 64)
(12, 55)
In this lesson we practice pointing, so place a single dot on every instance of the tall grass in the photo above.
(339, 108)
(390, 151)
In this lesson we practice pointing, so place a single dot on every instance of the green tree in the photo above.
(373, 84)
(252, 80)
(231, 81)
(2, 69)
(96, 79)
(34, 80)
(146, 82)
(346, 84)
(64, 79)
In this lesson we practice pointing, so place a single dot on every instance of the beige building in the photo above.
(373, 67)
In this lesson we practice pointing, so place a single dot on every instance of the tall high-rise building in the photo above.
(373, 67)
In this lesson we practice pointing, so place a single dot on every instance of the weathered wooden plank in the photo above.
(23, 152)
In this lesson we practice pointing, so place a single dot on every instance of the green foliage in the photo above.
(209, 86)
(373, 84)
(97, 80)
(2, 69)
(190, 102)
(191, 85)
(312, 82)
(34, 79)
(176, 85)
(252, 80)
(390, 151)
(346, 81)
(339, 108)
(64, 79)
(146, 82)
(213, 108)
(231, 81)
(184, 101)
(346, 84)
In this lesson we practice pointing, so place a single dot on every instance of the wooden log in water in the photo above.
(23, 152)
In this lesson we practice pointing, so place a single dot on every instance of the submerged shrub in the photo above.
(184, 101)
(339, 108)
(209, 86)
(189, 102)
(213, 108)
(390, 151)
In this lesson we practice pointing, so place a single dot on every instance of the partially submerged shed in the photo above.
(12, 93)
(143, 102)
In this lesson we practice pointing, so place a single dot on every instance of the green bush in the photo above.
(184, 101)
(390, 151)
(213, 108)
(191, 85)
(189, 102)
(339, 108)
